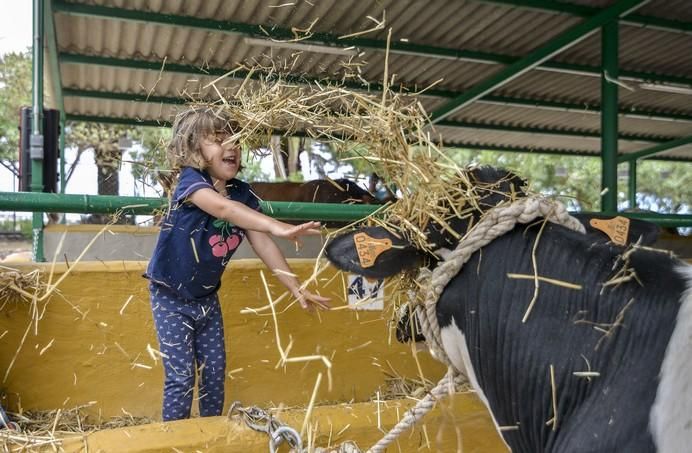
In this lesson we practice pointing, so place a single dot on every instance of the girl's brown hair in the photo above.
(190, 127)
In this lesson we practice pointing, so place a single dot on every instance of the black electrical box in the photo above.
(51, 149)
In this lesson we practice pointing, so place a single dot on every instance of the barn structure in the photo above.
(605, 78)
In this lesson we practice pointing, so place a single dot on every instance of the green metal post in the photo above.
(61, 144)
(56, 78)
(609, 116)
(36, 139)
(632, 184)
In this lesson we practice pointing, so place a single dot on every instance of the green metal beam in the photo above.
(159, 66)
(533, 59)
(272, 32)
(628, 112)
(632, 184)
(116, 120)
(517, 149)
(325, 39)
(654, 150)
(586, 11)
(473, 146)
(110, 95)
(373, 87)
(109, 204)
(555, 152)
(541, 131)
(115, 96)
(609, 116)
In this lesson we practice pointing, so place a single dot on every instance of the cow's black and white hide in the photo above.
(636, 336)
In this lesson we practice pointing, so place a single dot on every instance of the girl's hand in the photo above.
(309, 300)
(293, 232)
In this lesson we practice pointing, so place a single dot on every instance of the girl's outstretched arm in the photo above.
(238, 214)
(271, 255)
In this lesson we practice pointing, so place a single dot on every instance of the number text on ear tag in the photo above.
(370, 248)
(616, 228)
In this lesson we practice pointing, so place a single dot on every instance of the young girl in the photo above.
(210, 213)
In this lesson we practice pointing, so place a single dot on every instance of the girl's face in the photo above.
(222, 156)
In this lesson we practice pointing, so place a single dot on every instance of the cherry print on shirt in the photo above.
(219, 248)
(232, 242)
(233, 235)
(225, 228)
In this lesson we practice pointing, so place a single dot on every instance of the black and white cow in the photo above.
(633, 340)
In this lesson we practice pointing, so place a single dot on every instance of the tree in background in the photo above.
(149, 163)
(15, 92)
(662, 186)
(104, 140)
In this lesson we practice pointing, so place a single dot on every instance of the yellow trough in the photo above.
(92, 343)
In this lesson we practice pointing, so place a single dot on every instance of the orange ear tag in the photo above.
(616, 228)
(370, 248)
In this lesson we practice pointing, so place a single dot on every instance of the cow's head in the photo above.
(377, 252)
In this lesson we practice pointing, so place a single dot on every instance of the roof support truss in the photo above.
(547, 51)
(269, 32)
(637, 20)
(373, 87)
(654, 150)
(114, 96)
(472, 146)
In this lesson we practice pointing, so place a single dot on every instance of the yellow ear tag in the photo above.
(616, 228)
(370, 248)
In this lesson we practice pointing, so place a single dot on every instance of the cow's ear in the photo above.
(373, 252)
(638, 229)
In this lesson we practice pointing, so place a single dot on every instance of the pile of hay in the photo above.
(389, 130)
(45, 429)
(15, 284)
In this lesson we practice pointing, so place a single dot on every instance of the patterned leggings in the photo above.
(190, 334)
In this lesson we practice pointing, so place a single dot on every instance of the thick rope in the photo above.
(445, 387)
(496, 222)
(493, 224)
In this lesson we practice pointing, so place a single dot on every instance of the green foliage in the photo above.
(661, 186)
(252, 169)
(23, 224)
(15, 92)
(149, 162)
(664, 186)
(103, 139)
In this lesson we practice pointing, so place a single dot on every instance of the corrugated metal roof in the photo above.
(552, 107)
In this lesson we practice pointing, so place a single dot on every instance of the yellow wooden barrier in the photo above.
(90, 345)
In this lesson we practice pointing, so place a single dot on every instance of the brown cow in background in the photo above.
(317, 191)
